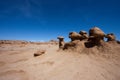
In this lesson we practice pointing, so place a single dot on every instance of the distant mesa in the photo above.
(26, 42)
(13, 42)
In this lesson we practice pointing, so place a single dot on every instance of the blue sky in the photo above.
(43, 20)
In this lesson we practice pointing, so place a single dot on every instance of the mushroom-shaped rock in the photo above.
(82, 32)
(84, 35)
(110, 37)
(74, 36)
(96, 32)
(61, 42)
(96, 35)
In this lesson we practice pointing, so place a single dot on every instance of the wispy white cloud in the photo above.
(24, 7)
(28, 8)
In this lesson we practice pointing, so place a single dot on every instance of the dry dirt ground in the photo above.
(17, 62)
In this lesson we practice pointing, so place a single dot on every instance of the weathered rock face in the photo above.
(84, 35)
(76, 45)
(110, 37)
(61, 42)
(81, 40)
(96, 32)
(96, 36)
(75, 36)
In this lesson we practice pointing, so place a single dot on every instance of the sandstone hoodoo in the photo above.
(75, 36)
(110, 37)
(94, 38)
(61, 42)
(84, 35)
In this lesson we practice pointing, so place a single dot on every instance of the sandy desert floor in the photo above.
(18, 63)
